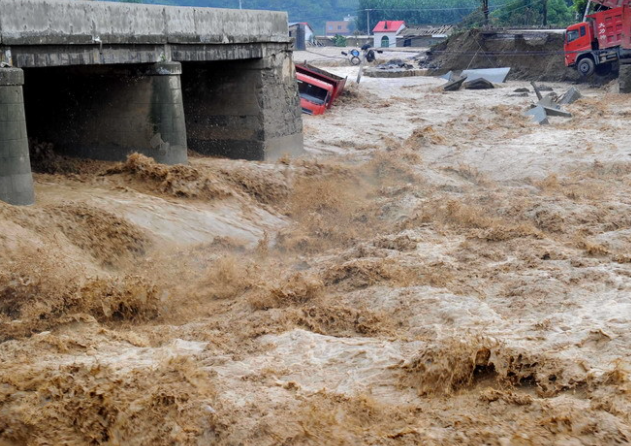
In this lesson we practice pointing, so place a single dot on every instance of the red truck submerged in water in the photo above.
(317, 88)
(315, 95)
(601, 40)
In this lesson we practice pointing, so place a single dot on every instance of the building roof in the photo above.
(388, 26)
(427, 30)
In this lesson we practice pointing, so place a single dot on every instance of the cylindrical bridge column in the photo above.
(16, 180)
(168, 144)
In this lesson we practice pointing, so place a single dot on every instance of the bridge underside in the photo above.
(245, 107)
(105, 96)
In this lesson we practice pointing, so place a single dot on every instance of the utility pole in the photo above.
(485, 10)
(240, 4)
(545, 12)
(587, 5)
(368, 22)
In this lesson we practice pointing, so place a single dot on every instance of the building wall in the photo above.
(377, 39)
(333, 28)
(309, 34)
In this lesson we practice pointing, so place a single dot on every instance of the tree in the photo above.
(534, 13)
(559, 13)
(579, 8)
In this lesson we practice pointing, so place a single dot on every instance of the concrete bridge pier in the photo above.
(168, 143)
(248, 109)
(16, 180)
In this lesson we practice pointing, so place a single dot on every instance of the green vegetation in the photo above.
(339, 40)
(555, 13)
(420, 12)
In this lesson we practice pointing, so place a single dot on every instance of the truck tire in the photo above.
(624, 78)
(586, 67)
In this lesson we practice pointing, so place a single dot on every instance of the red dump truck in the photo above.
(601, 40)
(317, 88)
(315, 95)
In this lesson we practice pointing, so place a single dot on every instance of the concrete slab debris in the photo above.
(537, 91)
(570, 96)
(447, 76)
(549, 100)
(552, 108)
(478, 84)
(556, 111)
(495, 75)
(538, 114)
(521, 90)
(454, 84)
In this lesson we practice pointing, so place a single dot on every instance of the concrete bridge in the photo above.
(102, 80)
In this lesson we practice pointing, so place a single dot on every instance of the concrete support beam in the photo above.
(42, 56)
(16, 180)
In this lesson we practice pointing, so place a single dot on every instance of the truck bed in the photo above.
(612, 27)
(320, 74)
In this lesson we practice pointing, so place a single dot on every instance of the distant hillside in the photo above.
(312, 11)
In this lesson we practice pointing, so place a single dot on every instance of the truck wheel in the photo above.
(586, 67)
(355, 60)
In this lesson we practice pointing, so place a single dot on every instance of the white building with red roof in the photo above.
(386, 32)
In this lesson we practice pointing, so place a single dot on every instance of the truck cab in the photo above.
(578, 39)
(315, 95)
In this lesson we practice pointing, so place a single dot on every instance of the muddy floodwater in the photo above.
(438, 270)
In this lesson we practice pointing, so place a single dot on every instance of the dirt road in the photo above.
(439, 270)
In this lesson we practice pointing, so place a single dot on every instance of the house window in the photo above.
(385, 42)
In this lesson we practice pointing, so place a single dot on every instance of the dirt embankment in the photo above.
(530, 55)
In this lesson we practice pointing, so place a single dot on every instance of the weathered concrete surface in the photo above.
(455, 83)
(60, 22)
(16, 180)
(44, 33)
(245, 109)
(479, 83)
(538, 114)
(497, 75)
(570, 96)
